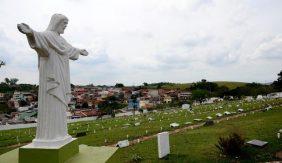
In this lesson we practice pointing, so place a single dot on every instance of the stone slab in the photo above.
(257, 143)
(30, 154)
(87, 154)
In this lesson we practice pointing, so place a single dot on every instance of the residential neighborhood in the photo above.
(87, 101)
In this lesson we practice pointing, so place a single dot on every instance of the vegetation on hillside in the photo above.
(9, 85)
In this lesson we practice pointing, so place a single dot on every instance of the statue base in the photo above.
(32, 153)
(87, 154)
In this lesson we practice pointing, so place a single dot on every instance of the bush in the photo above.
(136, 158)
(231, 145)
(209, 123)
(80, 134)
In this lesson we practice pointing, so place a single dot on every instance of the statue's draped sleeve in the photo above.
(42, 41)
(39, 43)
(54, 51)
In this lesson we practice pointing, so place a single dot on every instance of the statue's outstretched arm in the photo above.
(83, 52)
(25, 29)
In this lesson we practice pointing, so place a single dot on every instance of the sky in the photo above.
(136, 41)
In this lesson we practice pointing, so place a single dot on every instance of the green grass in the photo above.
(230, 84)
(113, 130)
(199, 145)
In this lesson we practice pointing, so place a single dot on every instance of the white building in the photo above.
(275, 95)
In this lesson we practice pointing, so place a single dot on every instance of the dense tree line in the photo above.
(10, 85)
(204, 89)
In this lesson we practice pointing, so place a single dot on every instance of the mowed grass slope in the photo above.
(110, 131)
(198, 145)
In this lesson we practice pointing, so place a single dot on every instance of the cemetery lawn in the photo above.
(198, 145)
(109, 131)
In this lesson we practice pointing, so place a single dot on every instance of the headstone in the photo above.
(218, 114)
(163, 144)
(209, 117)
(257, 143)
(123, 143)
(198, 120)
(174, 125)
(150, 119)
(188, 123)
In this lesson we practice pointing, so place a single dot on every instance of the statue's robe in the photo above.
(54, 85)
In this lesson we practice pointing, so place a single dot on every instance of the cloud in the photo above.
(150, 41)
(270, 49)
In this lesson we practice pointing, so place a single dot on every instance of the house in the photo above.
(2, 97)
(186, 106)
(249, 98)
(167, 99)
(28, 116)
(103, 94)
(87, 113)
(79, 91)
(27, 96)
(143, 103)
(133, 104)
(184, 96)
(275, 95)
(212, 100)
(259, 97)
(154, 93)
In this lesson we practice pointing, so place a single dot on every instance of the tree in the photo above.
(85, 105)
(12, 81)
(204, 85)
(200, 95)
(278, 83)
(145, 84)
(119, 85)
(2, 63)
(109, 105)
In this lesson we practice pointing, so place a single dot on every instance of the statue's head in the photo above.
(58, 23)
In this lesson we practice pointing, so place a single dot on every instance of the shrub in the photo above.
(209, 123)
(231, 145)
(136, 158)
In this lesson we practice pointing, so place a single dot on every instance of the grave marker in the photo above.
(163, 144)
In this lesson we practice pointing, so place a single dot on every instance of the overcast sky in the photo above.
(136, 41)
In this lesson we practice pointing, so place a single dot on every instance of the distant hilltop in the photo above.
(183, 86)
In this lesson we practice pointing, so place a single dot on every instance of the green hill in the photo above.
(230, 84)
(183, 86)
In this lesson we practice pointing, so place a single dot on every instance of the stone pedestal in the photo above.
(86, 154)
(59, 154)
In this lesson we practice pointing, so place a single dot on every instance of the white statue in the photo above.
(54, 80)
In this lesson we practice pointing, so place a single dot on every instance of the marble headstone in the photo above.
(163, 144)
